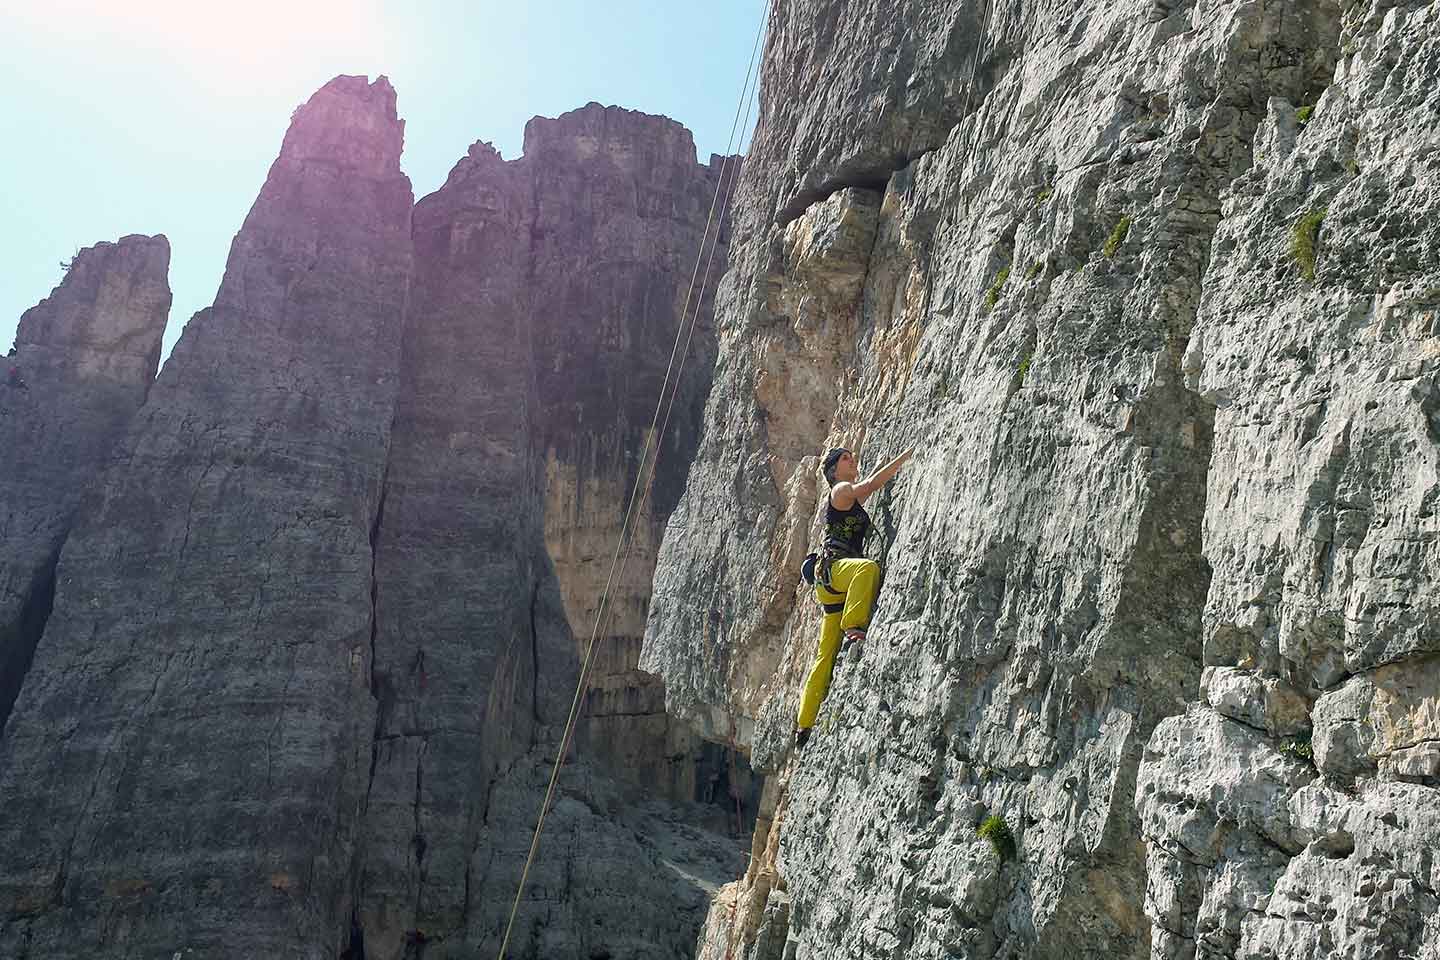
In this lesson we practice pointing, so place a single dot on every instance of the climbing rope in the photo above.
(975, 66)
(643, 478)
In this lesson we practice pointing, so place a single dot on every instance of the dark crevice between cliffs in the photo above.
(355, 945)
(355, 949)
(376, 692)
(18, 640)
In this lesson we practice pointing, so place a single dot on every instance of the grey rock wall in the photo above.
(1064, 273)
(82, 363)
(1291, 811)
(185, 765)
(310, 657)
(463, 614)
(541, 288)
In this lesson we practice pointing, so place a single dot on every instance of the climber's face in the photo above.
(847, 468)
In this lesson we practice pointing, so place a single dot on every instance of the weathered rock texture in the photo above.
(86, 356)
(1300, 817)
(543, 287)
(309, 661)
(463, 614)
(186, 762)
(1060, 272)
(621, 208)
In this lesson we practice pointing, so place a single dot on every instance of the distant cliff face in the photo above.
(82, 364)
(189, 751)
(308, 658)
(1168, 508)
(621, 210)
(547, 291)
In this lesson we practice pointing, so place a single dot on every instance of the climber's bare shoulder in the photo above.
(843, 495)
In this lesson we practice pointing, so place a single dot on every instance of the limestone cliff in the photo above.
(185, 764)
(1150, 289)
(308, 659)
(1294, 810)
(621, 211)
(541, 286)
(81, 366)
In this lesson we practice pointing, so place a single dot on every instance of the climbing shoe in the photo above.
(802, 734)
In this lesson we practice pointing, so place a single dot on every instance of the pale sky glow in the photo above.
(162, 116)
(224, 49)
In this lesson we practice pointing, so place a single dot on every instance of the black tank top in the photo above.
(845, 530)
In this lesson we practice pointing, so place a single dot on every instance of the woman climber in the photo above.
(845, 581)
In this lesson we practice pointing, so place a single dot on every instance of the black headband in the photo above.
(832, 457)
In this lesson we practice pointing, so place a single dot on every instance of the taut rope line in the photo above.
(642, 479)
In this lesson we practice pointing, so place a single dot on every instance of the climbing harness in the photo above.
(845, 531)
(643, 477)
(815, 570)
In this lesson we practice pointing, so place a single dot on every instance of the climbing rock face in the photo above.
(185, 765)
(1060, 273)
(82, 363)
(1316, 341)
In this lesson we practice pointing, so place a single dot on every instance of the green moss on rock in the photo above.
(997, 831)
(1304, 241)
(992, 296)
(1117, 236)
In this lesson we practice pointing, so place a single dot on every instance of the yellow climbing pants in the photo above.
(855, 580)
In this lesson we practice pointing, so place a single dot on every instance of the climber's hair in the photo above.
(832, 457)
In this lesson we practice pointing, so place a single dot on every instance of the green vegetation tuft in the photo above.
(1035, 269)
(1302, 116)
(992, 296)
(1298, 747)
(997, 831)
(1024, 367)
(1304, 237)
(1117, 237)
(1043, 195)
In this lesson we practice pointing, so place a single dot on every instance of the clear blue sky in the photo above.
(160, 116)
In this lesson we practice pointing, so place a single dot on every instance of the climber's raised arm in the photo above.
(847, 493)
